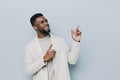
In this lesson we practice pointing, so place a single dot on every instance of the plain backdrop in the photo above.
(99, 21)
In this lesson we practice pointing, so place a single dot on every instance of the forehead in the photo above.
(41, 18)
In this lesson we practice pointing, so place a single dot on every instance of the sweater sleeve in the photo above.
(73, 53)
(32, 65)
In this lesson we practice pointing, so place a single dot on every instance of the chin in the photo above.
(48, 31)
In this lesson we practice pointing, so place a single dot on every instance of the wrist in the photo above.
(76, 40)
(44, 59)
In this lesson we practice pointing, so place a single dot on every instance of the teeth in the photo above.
(46, 28)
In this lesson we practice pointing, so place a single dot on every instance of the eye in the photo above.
(46, 20)
(42, 22)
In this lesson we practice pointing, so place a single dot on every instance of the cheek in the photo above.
(41, 25)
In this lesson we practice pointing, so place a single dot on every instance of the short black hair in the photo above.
(33, 18)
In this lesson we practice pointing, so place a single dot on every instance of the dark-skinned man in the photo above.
(47, 56)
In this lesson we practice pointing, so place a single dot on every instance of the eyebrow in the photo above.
(43, 21)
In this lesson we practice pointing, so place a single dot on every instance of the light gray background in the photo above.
(100, 44)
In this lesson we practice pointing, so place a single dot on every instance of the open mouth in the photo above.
(46, 28)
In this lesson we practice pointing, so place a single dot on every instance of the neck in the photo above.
(40, 35)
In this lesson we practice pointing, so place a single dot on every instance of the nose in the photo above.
(46, 23)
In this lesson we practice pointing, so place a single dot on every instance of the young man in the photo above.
(47, 56)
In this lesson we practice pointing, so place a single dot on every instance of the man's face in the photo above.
(42, 25)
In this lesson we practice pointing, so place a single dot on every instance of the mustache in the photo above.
(45, 30)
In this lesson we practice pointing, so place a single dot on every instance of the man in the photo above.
(47, 56)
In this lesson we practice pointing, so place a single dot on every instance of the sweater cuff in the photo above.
(75, 43)
(44, 63)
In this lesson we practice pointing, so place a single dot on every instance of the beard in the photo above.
(44, 31)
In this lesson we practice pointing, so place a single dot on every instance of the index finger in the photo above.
(50, 46)
(77, 29)
(78, 26)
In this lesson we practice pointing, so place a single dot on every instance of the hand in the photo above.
(50, 54)
(76, 35)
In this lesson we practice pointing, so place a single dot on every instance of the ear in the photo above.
(35, 27)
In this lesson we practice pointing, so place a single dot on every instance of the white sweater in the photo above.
(45, 43)
(34, 63)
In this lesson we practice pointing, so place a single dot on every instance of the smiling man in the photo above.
(47, 56)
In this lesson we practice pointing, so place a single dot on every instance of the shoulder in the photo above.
(30, 44)
(57, 38)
